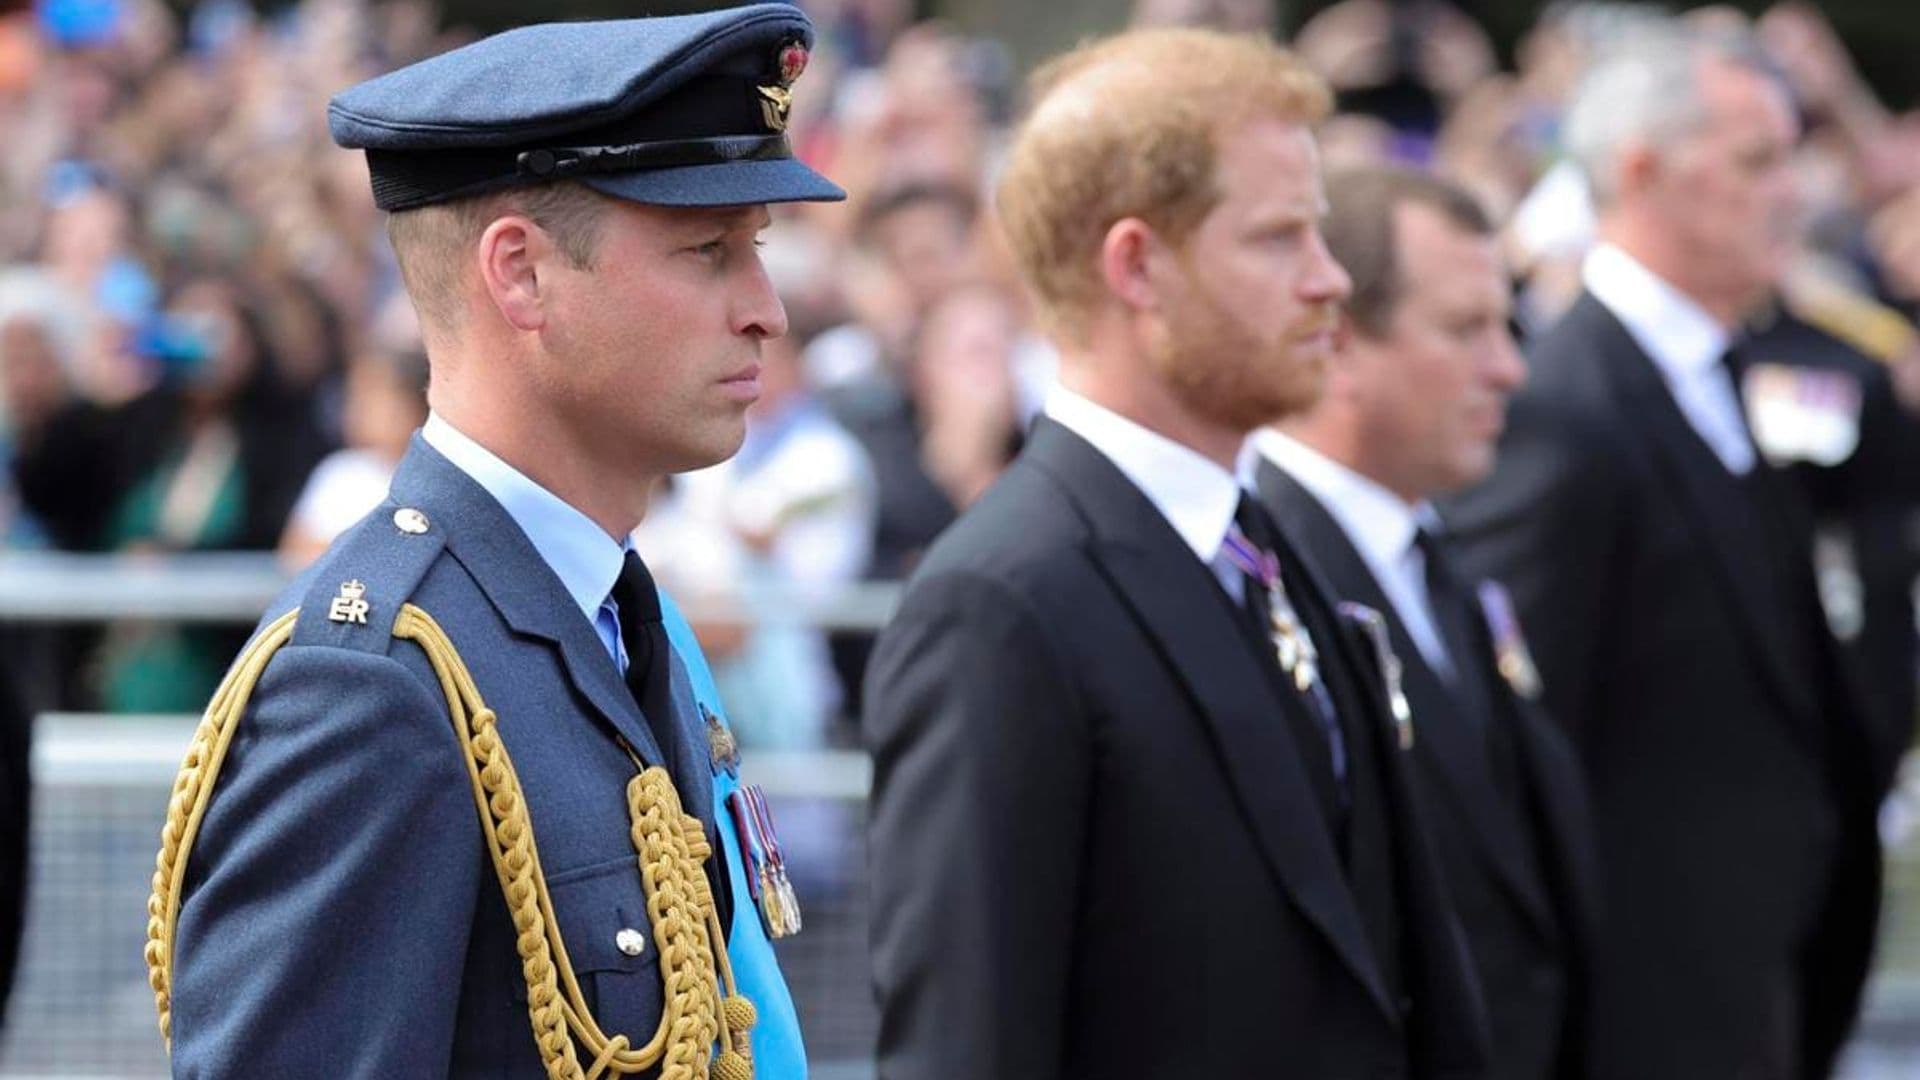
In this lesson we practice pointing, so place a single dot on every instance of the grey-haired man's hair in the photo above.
(1646, 89)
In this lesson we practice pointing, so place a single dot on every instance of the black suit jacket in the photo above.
(1521, 869)
(1094, 847)
(1731, 781)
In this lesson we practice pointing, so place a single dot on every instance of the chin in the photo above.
(1467, 472)
(710, 451)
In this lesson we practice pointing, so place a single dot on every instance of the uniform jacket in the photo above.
(341, 916)
(1094, 847)
(1868, 503)
(1521, 869)
(1681, 644)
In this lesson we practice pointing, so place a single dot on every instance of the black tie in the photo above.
(637, 605)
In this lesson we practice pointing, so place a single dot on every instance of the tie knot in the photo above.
(1253, 522)
(1736, 363)
(634, 592)
(1427, 539)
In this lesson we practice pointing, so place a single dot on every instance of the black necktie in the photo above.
(642, 630)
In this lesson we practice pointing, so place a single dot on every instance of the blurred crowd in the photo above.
(204, 345)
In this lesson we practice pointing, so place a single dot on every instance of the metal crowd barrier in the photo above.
(236, 588)
(82, 1007)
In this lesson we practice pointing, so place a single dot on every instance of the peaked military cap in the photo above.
(685, 110)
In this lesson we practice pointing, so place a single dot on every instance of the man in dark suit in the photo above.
(1663, 573)
(536, 860)
(1139, 806)
(1415, 399)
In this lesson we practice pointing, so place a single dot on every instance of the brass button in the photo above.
(630, 941)
(410, 521)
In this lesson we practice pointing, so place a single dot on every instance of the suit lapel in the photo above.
(1171, 593)
(1441, 731)
(1558, 790)
(1710, 496)
(520, 585)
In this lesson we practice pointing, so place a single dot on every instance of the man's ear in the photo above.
(1636, 167)
(514, 255)
(1128, 255)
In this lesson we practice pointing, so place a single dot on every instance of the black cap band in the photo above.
(560, 162)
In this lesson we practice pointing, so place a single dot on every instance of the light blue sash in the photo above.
(778, 1053)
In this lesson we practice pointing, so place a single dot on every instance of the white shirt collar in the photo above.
(1381, 527)
(1194, 494)
(1379, 522)
(582, 555)
(1667, 324)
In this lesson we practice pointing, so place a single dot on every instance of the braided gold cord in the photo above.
(192, 787)
(671, 846)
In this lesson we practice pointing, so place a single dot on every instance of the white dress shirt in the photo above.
(1686, 344)
(1195, 495)
(1381, 527)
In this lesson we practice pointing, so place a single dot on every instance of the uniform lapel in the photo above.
(1441, 730)
(520, 585)
(1709, 495)
(1172, 594)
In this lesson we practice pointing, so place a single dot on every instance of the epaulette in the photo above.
(1854, 317)
(357, 590)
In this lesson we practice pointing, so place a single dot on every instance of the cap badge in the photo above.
(776, 101)
(793, 61)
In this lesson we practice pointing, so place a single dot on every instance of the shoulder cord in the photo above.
(671, 845)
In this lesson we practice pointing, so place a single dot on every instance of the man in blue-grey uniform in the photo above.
(575, 209)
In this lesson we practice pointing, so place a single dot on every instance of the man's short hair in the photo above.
(432, 243)
(1131, 127)
(1362, 205)
(1646, 88)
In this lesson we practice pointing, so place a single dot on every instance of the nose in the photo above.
(757, 310)
(1326, 281)
(1506, 369)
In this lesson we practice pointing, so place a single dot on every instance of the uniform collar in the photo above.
(1380, 523)
(585, 559)
(1196, 496)
(1683, 340)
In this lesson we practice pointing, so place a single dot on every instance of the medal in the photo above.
(1375, 626)
(1511, 655)
(1802, 414)
(722, 749)
(1292, 645)
(765, 863)
(788, 901)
